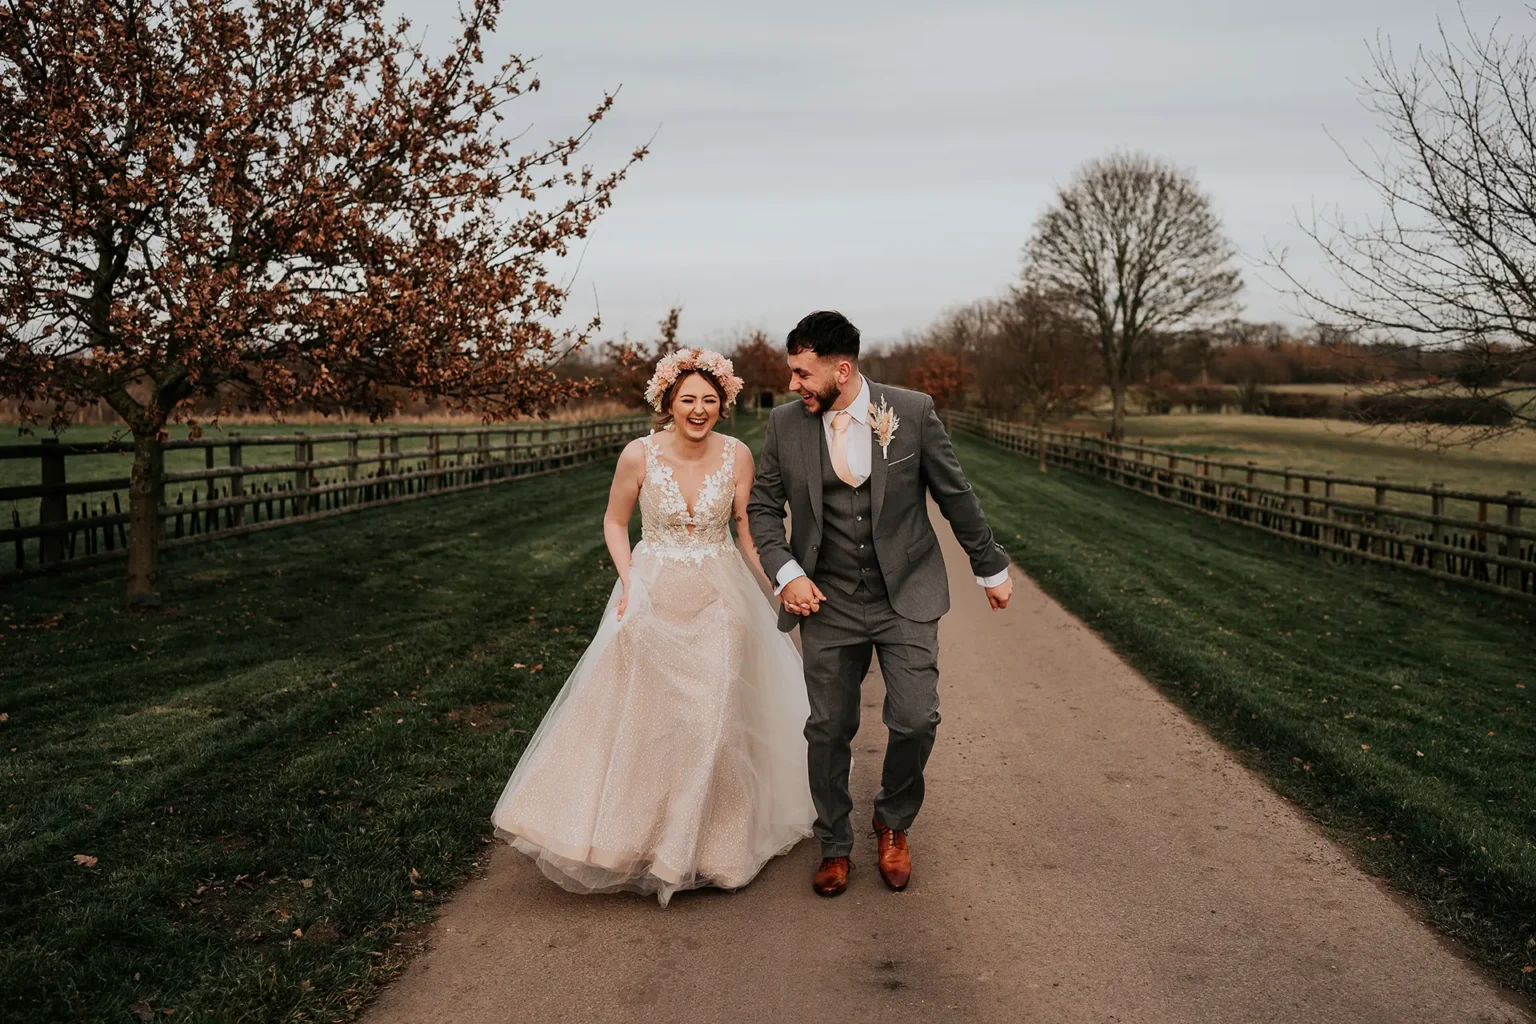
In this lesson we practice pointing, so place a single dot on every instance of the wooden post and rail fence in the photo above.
(76, 514)
(1483, 540)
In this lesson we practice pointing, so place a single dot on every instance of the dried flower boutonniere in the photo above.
(884, 422)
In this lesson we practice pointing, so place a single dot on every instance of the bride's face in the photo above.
(695, 408)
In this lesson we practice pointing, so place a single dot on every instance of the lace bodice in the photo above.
(664, 515)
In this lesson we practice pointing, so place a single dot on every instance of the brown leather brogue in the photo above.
(895, 860)
(831, 878)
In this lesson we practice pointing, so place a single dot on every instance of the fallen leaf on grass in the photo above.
(1365, 746)
(85, 860)
(308, 883)
(518, 664)
(142, 1010)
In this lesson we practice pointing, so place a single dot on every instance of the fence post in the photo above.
(1437, 558)
(237, 478)
(301, 476)
(434, 462)
(1512, 544)
(1290, 507)
(1250, 499)
(1379, 544)
(212, 494)
(396, 485)
(353, 457)
(1040, 443)
(54, 507)
(1306, 507)
(1330, 534)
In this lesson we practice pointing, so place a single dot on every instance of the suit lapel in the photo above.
(876, 466)
(814, 442)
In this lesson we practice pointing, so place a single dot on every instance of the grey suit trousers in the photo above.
(837, 642)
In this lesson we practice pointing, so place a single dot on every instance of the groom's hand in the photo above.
(801, 596)
(998, 596)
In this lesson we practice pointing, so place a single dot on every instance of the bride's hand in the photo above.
(623, 602)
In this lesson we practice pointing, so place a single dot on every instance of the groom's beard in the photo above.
(824, 399)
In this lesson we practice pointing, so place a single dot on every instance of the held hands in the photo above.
(998, 596)
(801, 596)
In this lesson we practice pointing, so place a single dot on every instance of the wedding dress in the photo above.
(674, 755)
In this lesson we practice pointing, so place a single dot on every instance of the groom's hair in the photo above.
(827, 333)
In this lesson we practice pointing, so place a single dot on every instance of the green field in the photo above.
(1396, 709)
(1397, 452)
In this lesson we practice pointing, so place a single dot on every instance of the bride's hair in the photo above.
(663, 418)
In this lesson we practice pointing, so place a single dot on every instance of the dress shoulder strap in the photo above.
(728, 456)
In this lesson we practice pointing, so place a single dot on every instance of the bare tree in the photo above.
(1448, 269)
(1033, 359)
(1137, 250)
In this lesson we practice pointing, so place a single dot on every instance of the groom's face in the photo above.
(818, 380)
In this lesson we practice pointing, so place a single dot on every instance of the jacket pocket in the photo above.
(919, 549)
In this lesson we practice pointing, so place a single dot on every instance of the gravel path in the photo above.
(1086, 853)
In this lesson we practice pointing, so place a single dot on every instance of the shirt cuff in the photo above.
(789, 571)
(994, 580)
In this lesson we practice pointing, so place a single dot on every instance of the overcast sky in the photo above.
(889, 158)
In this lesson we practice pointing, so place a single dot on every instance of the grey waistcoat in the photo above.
(847, 539)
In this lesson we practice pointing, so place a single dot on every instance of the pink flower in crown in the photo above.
(672, 366)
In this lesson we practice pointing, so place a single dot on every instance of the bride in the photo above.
(674, 756)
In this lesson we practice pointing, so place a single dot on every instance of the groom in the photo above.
(856, 462)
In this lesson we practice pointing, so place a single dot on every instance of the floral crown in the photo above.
(673, 366)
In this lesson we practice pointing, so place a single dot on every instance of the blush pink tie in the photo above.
(840, 423)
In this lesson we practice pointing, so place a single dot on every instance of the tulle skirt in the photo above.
(674, 757)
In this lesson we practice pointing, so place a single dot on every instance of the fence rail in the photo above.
(231, 494)
(1459, 536)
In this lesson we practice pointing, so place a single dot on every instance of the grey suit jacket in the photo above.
(919, 462)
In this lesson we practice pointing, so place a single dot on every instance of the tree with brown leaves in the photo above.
(941, 375)
(288, 201)
(1035, 358)
(628, 365)
(1135, 246)
(761, 364)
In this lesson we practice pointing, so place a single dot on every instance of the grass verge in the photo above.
(1397, 710)
(240, 809)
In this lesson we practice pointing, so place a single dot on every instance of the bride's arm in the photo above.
(744, 472)
(622, 496)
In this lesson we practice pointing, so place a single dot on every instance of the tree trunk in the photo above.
(1117, 417)
(144, 519)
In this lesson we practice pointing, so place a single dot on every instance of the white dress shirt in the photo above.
(861, 446)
